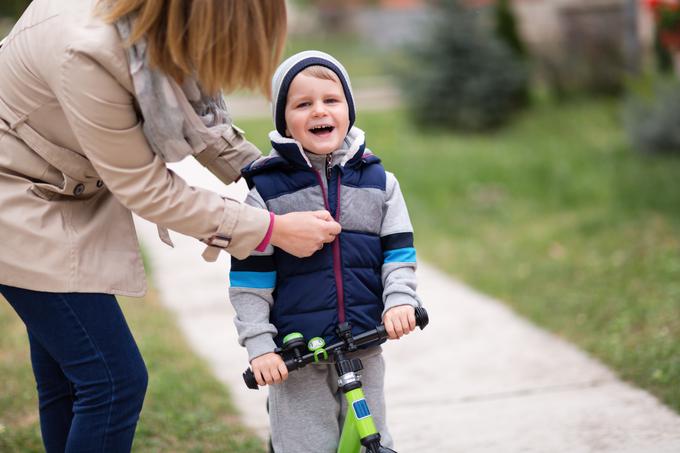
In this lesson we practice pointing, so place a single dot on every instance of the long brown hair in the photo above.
(226, 44)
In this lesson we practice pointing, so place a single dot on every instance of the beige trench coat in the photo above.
(74, 163)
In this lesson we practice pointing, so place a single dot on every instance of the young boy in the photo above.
(365, 276)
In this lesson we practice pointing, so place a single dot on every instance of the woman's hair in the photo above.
(226, 44)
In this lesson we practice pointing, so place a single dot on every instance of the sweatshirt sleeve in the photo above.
(252, 282)
(399, 254)
(102, 116)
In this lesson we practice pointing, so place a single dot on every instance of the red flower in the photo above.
(657, 5)
(667, 18)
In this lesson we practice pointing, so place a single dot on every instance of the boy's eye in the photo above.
(331, 101)
(302, 104)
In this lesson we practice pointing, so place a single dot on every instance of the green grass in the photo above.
(559, 218)
(185, 410)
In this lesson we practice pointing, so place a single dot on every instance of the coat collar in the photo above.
(352, 151)
(288, 153)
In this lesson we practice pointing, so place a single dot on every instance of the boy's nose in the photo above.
(319, 108)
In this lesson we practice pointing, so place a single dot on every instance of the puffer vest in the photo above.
(341, 282)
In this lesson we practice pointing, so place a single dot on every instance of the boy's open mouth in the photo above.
(321, 130)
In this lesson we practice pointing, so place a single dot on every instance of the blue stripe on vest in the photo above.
(259, 280)
(396, 241)
(405, 255)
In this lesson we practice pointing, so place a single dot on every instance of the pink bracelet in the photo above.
(267, 237)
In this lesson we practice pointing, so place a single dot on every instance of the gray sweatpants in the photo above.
(307, 410)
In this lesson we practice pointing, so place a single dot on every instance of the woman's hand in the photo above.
(399, 321)
(269, 369)
(303, 233)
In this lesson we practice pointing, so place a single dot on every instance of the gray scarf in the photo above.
(178, 120)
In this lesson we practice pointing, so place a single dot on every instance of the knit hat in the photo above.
(287, 71)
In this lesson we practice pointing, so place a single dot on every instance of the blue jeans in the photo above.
(90, 376)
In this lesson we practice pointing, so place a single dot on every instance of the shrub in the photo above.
(506, 27)
(652, 116)
(460, 75)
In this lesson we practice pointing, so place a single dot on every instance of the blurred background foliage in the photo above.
(451, 78)
(13, 8)
(652, 114)
(10, 10)
(538, 148)
(473, 65)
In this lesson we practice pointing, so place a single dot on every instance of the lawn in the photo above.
(556, 216)
(186, 409)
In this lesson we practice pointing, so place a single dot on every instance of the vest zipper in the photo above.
(335, 245)
(329, 169)
(337, 260)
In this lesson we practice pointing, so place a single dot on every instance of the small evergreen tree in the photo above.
(460, 76)
(506, 27)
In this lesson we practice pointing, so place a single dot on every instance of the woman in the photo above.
(76, 78)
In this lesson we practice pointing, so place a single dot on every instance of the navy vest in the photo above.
(342, 281)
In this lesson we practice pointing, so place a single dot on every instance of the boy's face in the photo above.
(317, 114)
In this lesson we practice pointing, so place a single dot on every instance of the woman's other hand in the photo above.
(269, 369)
(303, 233)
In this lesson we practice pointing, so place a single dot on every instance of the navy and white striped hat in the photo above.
(293, 66)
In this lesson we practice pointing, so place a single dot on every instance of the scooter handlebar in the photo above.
(249, 378)
(422, 320)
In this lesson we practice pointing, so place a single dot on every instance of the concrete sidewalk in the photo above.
(478, 379)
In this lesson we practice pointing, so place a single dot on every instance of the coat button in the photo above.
(78, 190)
(100, 183)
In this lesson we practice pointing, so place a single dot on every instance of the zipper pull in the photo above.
(329, 159)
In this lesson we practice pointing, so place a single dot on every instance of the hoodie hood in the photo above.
(352, 150)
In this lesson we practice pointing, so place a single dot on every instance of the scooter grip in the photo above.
(422, 318)
(249, 379)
